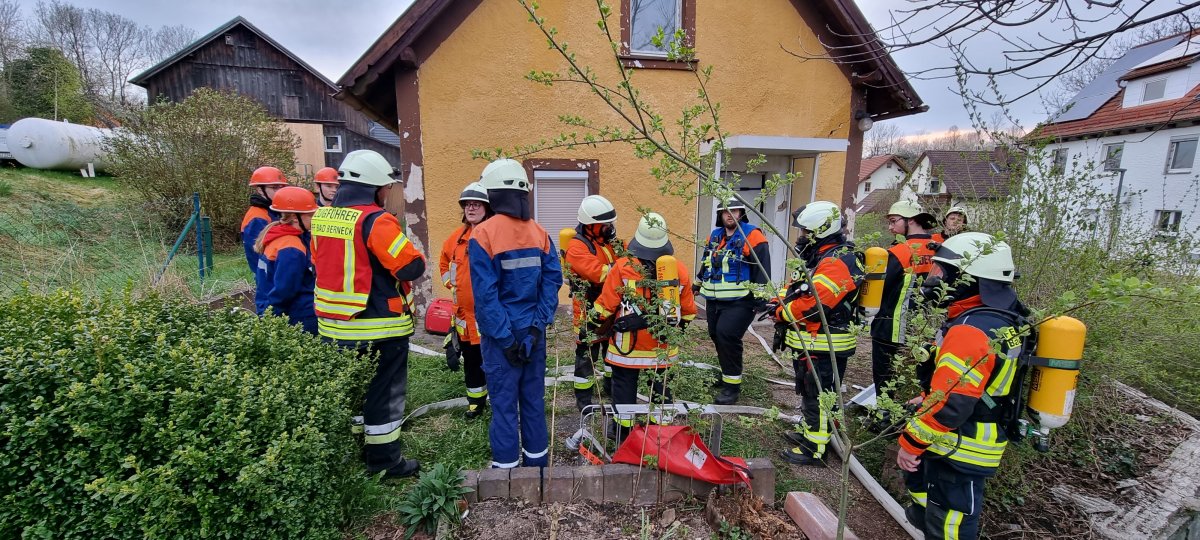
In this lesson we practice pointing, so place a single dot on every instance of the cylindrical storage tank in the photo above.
(45, 144)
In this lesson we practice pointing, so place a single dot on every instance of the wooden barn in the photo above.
(238, 56)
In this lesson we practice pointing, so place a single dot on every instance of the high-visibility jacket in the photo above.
(255, 220)
(286, 276)
(357, 251)
(907, 265)
(835, 281)
(515, 277)
(728, 267)
(639, 349)
(590, 262)
(456, 276)
(961, 425)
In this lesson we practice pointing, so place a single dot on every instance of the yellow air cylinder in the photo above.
(564, 238)
(667, 271)
(1052, 387)
(872, 293)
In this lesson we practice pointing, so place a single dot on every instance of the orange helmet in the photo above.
(294, 199)
(327, 175)
(268, 176)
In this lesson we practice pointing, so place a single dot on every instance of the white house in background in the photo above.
(945, 178)
(1137, 127)
(879, 172)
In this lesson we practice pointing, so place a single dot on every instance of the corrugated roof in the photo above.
(380, 133)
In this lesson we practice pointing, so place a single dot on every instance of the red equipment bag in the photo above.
(680, 451)
(440, 316)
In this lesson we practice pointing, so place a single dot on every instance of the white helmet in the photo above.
(985, 257)
(505, 174)
(596, 209)
(907, 209)
(367, 167)
(473, 192)
(732, 204)
(650, 241)
(822, 218)
(956, 210)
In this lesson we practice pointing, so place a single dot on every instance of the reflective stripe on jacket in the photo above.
(640, 349)
(357, 251)
(835, 279)
(286, 276)
(728, 266)
(515, 277)
(908, 264)
(253, 222)
(589, 264)
(456, 276)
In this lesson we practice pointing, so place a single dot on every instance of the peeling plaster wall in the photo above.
(473, 94)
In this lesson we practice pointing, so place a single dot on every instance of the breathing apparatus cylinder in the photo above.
(872, 293)
(1056, 370)
(564, 237)
(667, 271)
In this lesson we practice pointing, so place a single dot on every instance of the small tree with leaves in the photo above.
(208, 144)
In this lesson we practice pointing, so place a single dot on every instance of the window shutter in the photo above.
(557, 195)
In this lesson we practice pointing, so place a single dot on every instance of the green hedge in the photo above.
(145, 418)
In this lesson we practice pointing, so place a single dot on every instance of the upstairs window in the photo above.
(867, 186)
(1059, 164)
(1154, 90)
(640, 23)
(935, 185)
(1181, 155)
(333, 143)
(1167, 221)
(1112, 156)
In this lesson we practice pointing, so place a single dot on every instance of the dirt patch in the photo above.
(515, 520)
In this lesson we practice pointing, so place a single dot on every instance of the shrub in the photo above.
(142, 418)
(209, 144)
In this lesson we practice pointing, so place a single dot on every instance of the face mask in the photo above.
(608, 233)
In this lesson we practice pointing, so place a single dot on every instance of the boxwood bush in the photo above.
(147, 418)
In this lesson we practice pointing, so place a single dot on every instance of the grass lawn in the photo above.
(61, 230)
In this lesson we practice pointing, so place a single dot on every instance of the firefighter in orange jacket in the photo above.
(907, 265)
(365, 265)
(634, 346)
(956, 439)
(456, 276)
(836, 273)
(265, 181)
(589, 257)
(326, 180)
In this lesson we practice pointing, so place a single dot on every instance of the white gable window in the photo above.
(556, 198)
(1154, 90)
(1112, 156)
(646, 17)
(1181, 156)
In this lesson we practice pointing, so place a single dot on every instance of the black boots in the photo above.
(404, 469)
(583, 398)
(729, 394)
(802, 452)
(475, 407)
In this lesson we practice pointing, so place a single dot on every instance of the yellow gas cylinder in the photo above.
(1056, 370)
(872, 293)
(667, 271)
(564, 238)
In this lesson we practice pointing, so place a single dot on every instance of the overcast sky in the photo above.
(331, 35)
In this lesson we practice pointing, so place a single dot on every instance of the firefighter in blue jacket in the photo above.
(516, 276)
(285, 272)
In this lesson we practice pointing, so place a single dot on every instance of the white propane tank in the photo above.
(38, 143)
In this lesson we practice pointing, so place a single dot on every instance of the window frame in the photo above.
(1146, 87)
(1173, 225)
(935, 185)
(1171, 148)
(866, 187)
(640, 60)
(1107, 163)
(332, 150)
(1058, 166)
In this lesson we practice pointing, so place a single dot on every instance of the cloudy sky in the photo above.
(331, 34)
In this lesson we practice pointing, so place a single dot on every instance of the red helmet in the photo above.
(327, 175)
(268, 176)
(294, 199)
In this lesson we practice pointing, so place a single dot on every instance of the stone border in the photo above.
(613, 482)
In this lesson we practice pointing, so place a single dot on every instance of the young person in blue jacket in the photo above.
(285, 272)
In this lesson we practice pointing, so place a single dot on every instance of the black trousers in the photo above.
(473, 372)
(727, 324)
(383, 408)
(816, 428)
(586, 355)
(953, 500)
(882, 356)
(625, 383)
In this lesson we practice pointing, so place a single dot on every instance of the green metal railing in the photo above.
(204, 254)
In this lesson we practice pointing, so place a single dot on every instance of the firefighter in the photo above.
(265, 181)
(907, 264)
(456, 276)
(589, 257)
(365, 267)
(836, 271)
(954, 222)
(635, 347)
(736, 255)
(326, 180)
(285, 271)
(515, 275)
(956, 439)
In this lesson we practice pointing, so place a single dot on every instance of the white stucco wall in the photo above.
(1179, 82)
(886, 177)
(919, 184)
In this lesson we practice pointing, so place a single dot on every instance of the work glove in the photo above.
(695, 288)
(453, 351)
(512, 353)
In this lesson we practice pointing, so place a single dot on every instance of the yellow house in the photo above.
(449, 77)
